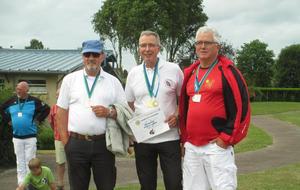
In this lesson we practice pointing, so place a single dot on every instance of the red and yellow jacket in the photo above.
(236, 101)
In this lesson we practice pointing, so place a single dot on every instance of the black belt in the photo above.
(87, 137)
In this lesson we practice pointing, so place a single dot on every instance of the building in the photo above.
(42, 69)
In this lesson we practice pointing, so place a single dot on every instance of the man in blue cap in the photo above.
(83, 107)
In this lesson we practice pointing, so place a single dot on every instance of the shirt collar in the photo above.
(102, 73)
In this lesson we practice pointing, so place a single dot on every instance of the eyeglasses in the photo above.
(144, 46)
(88, 54)
(205, 43)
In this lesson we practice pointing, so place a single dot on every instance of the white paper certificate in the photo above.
(149, 125)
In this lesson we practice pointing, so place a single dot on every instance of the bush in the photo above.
(275, 94)
(45, 139)
(7, 155)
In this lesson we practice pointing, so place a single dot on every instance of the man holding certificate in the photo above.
(152, 89)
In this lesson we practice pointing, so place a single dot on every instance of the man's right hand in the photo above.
(182, 149)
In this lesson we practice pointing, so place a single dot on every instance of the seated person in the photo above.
(39, 178)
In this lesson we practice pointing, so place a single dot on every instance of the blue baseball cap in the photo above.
(95, 46)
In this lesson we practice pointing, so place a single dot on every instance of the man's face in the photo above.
(148, 48)
(21, 91)
(92, 61)
(206, 47)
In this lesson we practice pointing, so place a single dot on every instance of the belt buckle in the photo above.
(87, 138)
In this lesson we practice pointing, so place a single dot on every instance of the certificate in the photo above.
(146, 126)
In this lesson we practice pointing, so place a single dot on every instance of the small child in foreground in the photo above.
(39, 178)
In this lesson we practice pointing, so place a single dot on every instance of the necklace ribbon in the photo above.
(151, 87)
(90, 92)
(198, 84)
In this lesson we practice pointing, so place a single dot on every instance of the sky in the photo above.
(64, 24)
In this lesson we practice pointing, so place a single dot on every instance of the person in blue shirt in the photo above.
(24, 112)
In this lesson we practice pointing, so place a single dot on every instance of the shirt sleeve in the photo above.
(128, 90)
(64, 95)
(27, 179)
(50, 176)
(179, 81)
(121, 98)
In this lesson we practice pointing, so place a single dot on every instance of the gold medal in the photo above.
(152, 103)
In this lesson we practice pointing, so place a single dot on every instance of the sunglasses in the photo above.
(88, 54)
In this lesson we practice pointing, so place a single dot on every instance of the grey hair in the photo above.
(205, 29)
(151, 33)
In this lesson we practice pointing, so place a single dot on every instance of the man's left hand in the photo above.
(172, 121)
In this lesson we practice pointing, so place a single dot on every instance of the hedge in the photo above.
(274, 94)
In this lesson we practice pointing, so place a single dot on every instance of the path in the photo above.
(284, 150)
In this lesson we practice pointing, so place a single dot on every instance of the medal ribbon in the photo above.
(198, 84)
(21, 105)
(90, 92)
(151, 87)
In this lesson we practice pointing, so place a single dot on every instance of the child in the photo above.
(39, 178)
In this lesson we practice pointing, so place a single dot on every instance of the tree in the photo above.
(175, 21)
(287, 67)
(256, 62)
(187, 55)
(35, 44)
(7, 156)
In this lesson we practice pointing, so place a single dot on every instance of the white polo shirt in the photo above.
(74, 97)
(168, 82)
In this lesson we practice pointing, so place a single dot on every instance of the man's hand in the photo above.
(182, 149)
(220, 143)
(100, 111)
(172, 121)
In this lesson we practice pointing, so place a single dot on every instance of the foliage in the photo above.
(175, 21)
(256, 62)
(288, 67)
(275, 94)
(35, 44)
(7, 156)
(45, 138)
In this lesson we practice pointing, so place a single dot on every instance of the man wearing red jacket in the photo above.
(214, 111)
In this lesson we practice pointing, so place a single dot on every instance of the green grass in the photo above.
(287, 178)
(256, 139)
(291, 117)
(261, 108)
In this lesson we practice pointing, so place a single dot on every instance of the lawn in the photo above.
(287, 177)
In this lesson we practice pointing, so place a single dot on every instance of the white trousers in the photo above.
(25, 150)
(209, 167)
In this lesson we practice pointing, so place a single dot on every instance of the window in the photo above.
(36, 86)
(1, 83)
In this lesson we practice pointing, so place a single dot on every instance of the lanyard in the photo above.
(90, 92)
(198, 84)
(151, 87)
(21, 105)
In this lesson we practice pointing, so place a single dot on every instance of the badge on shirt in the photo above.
(196, 98)
(20, 114)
